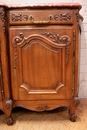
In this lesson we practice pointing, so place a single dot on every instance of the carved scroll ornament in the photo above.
(57, 39)
(60, 40)
(22, 40)
(48, 39)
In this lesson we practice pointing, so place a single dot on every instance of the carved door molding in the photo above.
(30, 61)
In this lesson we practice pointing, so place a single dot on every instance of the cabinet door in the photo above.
(41, 60)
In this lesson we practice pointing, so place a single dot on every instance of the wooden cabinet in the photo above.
(39, 57)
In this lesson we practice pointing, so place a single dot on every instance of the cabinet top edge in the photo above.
(43, 5)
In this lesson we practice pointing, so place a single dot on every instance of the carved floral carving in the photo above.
(60, 40)
(57, 39)
(19, 17)
(15, 41)
(3, 18)
(78, 17)
(19, 40)
(61, 17)
(43, 107)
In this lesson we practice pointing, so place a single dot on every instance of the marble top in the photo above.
(59, 5)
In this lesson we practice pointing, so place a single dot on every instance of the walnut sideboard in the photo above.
(39, 57)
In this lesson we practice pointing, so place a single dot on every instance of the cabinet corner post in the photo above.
(4, 54)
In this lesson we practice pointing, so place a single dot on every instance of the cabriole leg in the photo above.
(72, 109)
(8, 109)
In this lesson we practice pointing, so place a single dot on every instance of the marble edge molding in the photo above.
(37, 5)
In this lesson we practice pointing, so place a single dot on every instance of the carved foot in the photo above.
(8, 104)
(73, 117)
(9, 121)
(72, 109)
